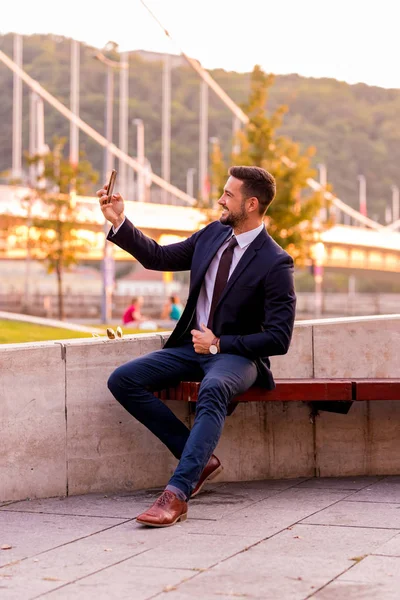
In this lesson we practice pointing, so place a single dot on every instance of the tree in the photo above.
(57, 240)
(290, 217)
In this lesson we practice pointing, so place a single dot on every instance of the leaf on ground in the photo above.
(6, 547)
(51, 579)
(358, 558)
(169, 588)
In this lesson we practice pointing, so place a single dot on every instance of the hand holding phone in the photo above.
(110, 185)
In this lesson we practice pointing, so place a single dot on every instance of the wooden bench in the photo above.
(334, 395)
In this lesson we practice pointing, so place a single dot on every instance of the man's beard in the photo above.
(233, 219)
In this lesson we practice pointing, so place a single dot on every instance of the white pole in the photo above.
(74, 101)
(363, 194)
(40, 143)
(236, 127)
(323, 215)
(17, 111)
(33, 98)
(123, 120)
(203, 141)
(190, 181)
(166, 124)
(395, 203)
(140, 157)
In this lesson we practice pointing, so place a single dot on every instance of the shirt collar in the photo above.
(245, 239)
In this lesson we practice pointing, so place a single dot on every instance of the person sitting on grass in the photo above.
(132, 314)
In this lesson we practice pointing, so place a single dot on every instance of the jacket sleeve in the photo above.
(173, 257)
(278, 322)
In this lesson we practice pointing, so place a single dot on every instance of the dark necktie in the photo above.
(222, 277)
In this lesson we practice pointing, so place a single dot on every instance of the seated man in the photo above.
(240, 311)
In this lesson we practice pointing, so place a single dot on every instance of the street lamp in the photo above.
(363, 194)
(140, 157)
(395, 203)
(323, 215)
(214, 141)
(108, 266)
(190, 173)
(318, 257)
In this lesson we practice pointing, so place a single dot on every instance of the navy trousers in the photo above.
(222, 376)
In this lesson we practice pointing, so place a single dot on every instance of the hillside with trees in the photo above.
(355, 129)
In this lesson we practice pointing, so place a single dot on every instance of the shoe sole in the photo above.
(180, 518)
(209, 478)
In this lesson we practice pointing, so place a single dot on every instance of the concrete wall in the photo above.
(61, 431)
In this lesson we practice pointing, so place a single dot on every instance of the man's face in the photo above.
(233, 204)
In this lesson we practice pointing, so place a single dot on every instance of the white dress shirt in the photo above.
(207, 289)
(115, 229)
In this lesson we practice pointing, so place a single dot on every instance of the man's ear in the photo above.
(253, 204)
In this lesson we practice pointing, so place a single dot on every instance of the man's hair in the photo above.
(256, 182)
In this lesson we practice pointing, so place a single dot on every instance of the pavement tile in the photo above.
(261, 524)
(391, 548)
(266, 517)
(330, 542)
(339, 483)
(358, 514)
(259, 485)
(378, 577)
(393, 478)
(194, 551)
(219, 503)
(29, 534)
(122, 582)
(346, 590)
(300, 497)
(267, 581)
(94, 505)
(382, 491)
(189, 595)
(52, 569)
(290, 565)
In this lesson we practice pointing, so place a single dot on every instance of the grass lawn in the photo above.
(13, 332)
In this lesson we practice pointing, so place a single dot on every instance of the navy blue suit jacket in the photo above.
(255, 314)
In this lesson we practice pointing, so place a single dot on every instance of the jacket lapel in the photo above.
(209, 255)
(243, 263)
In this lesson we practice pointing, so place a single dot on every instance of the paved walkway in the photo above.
(291, 539)
(49, 322)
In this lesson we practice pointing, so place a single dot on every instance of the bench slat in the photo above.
(377, 389)
(287, 390)
(301, 390)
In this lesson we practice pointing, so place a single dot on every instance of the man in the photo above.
(240, 311)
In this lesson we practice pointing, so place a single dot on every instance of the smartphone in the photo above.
(111, 183)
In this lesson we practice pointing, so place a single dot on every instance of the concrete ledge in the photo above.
(63, 433)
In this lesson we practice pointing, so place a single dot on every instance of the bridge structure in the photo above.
(365, 244)
(340, 246)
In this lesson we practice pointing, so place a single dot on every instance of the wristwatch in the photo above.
(214, 348)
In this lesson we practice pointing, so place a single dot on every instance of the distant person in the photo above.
(173, 309)
(132, 313)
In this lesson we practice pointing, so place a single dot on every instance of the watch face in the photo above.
(213, 349)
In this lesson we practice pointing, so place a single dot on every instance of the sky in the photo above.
(350, 40)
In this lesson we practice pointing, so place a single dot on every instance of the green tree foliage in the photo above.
(354, 128)
(291, 215)
(55, 238)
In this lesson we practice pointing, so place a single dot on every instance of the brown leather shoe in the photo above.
(166, 511)
(211, 470)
